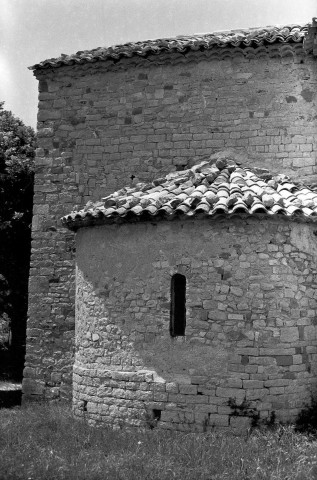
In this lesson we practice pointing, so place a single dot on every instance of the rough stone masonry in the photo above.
(110, 121)
(250, 348)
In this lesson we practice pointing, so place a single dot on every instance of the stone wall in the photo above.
(102, 126)
(250, 348)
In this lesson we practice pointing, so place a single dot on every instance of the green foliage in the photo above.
(244, 409)
(45, 442)
(306, 421)
(17, 151)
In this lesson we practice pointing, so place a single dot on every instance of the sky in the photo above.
(34, 30)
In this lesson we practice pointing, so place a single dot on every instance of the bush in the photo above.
(17, 151)
(307, 419)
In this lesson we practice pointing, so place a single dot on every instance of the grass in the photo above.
(45, 443)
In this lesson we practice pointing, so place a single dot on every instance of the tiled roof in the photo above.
(218, 186)
(252, 37)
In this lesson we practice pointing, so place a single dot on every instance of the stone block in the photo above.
(172, 387)
(206, 391)
(310, 332)
(233, 383)
(38, 284)
(249, 384)
(248, 351)
(224, 410)
(207, 408)
(251, 369)
(240, 425)
(32, 386)
(284, 360)
(158, 387)
(218, 420)
(198, 379)
(235, 393)
(186, 399)
(160, 396)
(289, 334)
(44, 115)
(298, 368)
(277, 390)
(277, 351)
(237, 292)
(298, 359)
(235, 316)
(169, 416)
(278, 382)
(256, 394)
(188, 389)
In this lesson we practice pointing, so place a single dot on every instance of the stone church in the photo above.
(195, 294)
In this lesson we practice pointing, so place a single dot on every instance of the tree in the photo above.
(17, 151)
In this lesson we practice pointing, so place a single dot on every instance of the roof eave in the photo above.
(233, 39)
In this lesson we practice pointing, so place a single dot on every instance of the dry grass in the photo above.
(42, 442)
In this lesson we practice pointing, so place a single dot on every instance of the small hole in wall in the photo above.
(153, 418)
(181, 167)
(156, 414)
(85, 406)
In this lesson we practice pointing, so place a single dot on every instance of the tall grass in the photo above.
(44, 442)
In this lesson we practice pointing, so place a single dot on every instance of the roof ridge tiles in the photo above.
(195, 195)
(232, 39)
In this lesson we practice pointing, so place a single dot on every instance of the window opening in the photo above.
(178, 305)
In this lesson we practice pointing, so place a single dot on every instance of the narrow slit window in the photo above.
(178, 305)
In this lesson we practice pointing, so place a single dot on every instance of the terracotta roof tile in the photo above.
(241, 39)
(229, 190)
